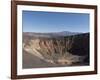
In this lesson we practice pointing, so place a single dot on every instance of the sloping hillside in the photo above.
(55, 51)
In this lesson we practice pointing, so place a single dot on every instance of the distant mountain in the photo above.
(52, 34)
(67, 33)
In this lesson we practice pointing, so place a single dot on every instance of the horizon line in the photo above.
(57, 32)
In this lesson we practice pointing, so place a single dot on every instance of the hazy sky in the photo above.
(39, 21)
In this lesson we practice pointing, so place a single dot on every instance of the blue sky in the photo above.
(40, 21)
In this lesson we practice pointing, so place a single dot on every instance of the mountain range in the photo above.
(50, 34)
